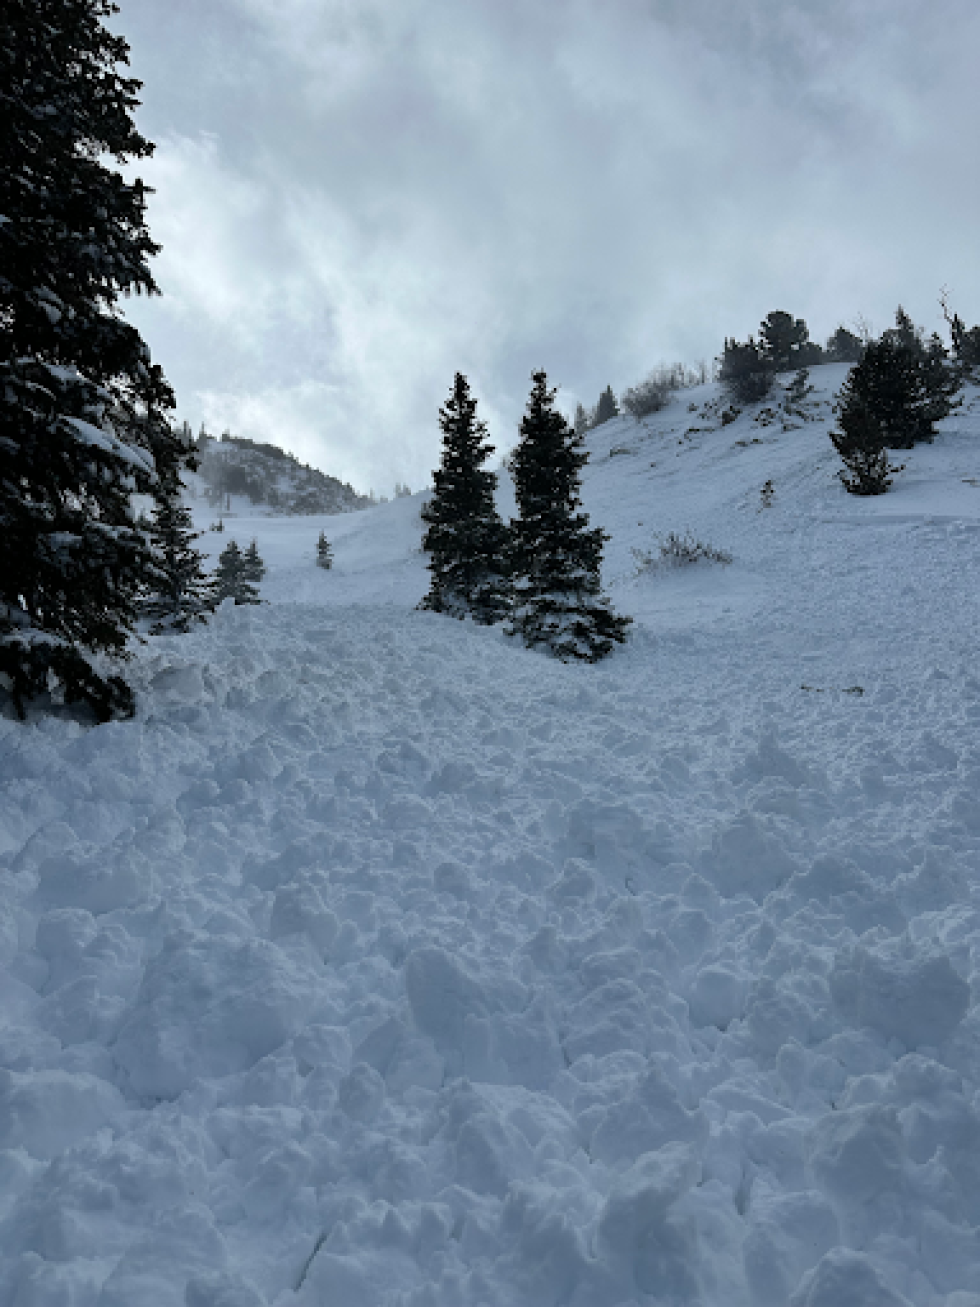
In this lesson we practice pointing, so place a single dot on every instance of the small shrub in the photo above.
(676, 550)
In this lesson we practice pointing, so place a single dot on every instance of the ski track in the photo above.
(381, 962)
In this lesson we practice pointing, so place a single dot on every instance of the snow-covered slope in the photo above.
(383, 962)
(237, 475)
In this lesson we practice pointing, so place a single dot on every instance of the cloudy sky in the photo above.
(356, 198)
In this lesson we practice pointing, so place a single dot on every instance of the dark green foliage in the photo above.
(844, 347)
(906, 385)
(744, 372)
(230, 581)
(178, 594)
(860, 439)
(253, 568)
(607, 408)
(324, 553)
(556, 556)
(82, 409)
(966, 340)
(466, 541)
(784, 341)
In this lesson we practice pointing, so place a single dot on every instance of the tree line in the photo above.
(899, 386)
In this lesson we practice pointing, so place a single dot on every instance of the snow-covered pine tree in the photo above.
(555, 555)
(253, 568)
(466, 540)
(178, 593)
(82, 409)
(230, 581)
(324, 553)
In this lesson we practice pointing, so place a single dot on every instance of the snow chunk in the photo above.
(789, 1234)
(210, 1006)
(745, 859)
(99, 882)
(299, 909)
(46, 1112)
(654, 1251)
(844, 1278)
(179, 685)
(857, 1153)
(442, 994)
(362, 1093)
(915, 997)
(717, 996)
(650, 1117)
(156, 1268)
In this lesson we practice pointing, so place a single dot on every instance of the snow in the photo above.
(381, 961)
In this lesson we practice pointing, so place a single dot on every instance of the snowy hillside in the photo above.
(381, 962)
(244, 476)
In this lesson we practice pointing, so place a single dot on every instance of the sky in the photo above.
(358, 198)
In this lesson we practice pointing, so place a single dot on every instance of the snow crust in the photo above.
(382, 962)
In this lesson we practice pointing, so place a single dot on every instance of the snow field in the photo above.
(381, 962)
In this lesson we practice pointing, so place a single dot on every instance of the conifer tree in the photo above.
(744, 372)
(253, 568)
(230, 581)
(324, 553)
(844, 347)
(466, 541)
(556, 556)
(860, 438)
(178, 592)
(906, 384)
(783, 340)
(82, 409)
(607, 408)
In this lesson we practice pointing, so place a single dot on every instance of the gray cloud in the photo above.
(356, 197)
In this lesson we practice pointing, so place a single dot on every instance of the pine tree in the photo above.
(230, 581)
(744, 372)
(783, 341)
(607, 408)
(556, 556)
(178, 593)
(82, 409)
(466, 541)
(253, 568)
(965, 340)
(906, 384)
(844, 347)
(324, 553)
(861, 439)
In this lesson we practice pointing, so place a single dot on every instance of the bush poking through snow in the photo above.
(676, 550)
